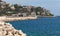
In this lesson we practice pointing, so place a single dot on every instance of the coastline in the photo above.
(8, 18)
(46, 16)
(5, 18)
(10, 29)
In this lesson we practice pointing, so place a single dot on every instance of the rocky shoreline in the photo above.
(6, 29)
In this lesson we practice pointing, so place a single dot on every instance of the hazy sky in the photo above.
(52, 5)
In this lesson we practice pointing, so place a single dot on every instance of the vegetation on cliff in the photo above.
(16, 9)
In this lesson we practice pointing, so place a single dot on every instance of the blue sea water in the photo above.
(43, 26)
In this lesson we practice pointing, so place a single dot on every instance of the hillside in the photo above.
(19, 10)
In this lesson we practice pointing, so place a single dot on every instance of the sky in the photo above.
(52, 5)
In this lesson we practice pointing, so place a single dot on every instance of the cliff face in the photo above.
(10, 9)
(6, 29)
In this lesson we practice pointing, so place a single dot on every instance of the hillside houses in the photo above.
(12, 9)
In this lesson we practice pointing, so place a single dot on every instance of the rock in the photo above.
(6, 29)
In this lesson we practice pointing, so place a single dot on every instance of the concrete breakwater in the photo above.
(6, 29)
(4, 18)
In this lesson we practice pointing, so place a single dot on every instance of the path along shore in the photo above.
(4, 18)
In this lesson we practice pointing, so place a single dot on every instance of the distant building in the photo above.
(24, 14)
(47, 12)
(2, 2)
(38, 13)
(29, 8)
(14, 15)
(33, 14)
(44, 12)
(20, 15)
(11, 6)
(9, 12)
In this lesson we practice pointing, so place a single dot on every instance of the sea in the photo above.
(43, 26)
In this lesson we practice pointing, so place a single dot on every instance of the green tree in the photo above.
(39, 9)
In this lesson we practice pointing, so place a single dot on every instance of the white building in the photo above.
(33, 14)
